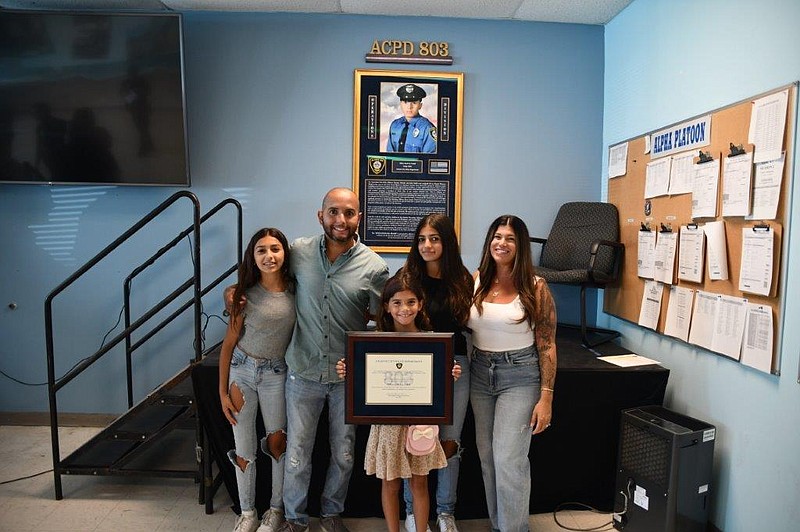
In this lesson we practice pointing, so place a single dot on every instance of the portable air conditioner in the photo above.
(664, 471)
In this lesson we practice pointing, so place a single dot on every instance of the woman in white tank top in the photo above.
(513, 322)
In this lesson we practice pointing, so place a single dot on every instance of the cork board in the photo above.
(729, 125)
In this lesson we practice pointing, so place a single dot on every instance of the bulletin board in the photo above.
(729, 125)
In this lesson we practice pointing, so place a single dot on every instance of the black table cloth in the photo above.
(573, 461)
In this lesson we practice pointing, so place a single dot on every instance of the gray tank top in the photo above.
(268, 323)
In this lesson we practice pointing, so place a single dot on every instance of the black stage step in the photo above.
(157, 437)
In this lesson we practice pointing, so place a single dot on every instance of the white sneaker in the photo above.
(247, 522)
(411, 524)
(272, 521)
(446, 523)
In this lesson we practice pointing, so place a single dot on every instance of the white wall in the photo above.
(668, 60)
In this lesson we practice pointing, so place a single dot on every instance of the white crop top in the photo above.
(496, 329)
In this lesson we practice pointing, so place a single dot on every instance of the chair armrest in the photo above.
(617, 248)
(543, 242)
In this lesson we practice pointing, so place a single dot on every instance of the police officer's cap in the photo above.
(410, 93)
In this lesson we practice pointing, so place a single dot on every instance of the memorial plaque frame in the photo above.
(396, 188)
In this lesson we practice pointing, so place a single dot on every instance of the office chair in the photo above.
(583, 249)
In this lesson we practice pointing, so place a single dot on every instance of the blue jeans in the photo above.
(447, 478)
(504, 388)
(262, 385)
(305, 400)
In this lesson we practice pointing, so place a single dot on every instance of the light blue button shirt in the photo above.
(331, 299)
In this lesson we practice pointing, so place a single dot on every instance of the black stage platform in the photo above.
(573, 461)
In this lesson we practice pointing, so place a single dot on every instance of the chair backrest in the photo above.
(576, 226)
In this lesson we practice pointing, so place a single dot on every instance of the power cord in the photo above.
(203, 328)
(25, 478)
(6, 375)
(119, 319)
(102, 343)
(620, 517)
(579, 505)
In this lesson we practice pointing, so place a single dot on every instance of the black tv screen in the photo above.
(92, 98)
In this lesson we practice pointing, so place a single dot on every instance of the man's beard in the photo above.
(342, 240)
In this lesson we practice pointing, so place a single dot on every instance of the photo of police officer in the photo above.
(411, 132)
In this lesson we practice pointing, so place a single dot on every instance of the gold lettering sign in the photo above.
(397, 51)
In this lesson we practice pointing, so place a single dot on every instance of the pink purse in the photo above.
(421, 439)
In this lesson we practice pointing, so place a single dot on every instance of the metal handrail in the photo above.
(131, 347)
(54, 385)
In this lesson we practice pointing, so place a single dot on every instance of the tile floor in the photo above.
(121, 503)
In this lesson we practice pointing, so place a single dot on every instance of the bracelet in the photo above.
(546, 389)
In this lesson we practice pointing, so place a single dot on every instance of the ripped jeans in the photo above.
(305, 400)
(262, 384)
(504, 388)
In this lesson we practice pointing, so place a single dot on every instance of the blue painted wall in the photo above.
(668, 60)
(270, 123)
(270, 112)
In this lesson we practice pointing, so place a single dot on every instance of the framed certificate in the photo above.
(407, 131)
(399, 378)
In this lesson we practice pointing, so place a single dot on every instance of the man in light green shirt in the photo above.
(339, 284)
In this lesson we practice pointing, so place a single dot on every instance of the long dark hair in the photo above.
(455, 275)
(522, 272)
(249, 274)
(400, 282)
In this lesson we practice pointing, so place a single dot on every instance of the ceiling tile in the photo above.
(302, 6)
(486, 9)
(573, 11)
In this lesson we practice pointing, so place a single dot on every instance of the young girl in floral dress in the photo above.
(386, 455)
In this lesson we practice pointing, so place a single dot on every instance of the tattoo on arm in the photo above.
(545, 333)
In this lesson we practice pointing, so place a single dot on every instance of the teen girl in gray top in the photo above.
(252, 370)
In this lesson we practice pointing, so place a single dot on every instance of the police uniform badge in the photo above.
(376, 166)
(415, 133)
(432, 132)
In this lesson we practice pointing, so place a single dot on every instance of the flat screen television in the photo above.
(89, 98)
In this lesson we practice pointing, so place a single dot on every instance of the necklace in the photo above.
(497, 291)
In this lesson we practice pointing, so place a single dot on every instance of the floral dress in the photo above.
(388, 459)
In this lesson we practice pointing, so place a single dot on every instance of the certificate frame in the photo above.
(396, 189)
(399, 378)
